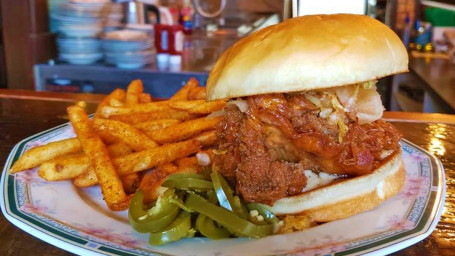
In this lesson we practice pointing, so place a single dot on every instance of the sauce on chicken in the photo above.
(266, 149)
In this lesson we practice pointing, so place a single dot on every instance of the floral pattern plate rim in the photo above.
(78, 221)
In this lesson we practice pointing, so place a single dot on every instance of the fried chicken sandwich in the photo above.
(302, 131)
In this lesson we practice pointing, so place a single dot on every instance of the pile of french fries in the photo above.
(131, 142)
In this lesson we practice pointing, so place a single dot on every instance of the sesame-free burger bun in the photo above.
(351, 196)
(305, 53)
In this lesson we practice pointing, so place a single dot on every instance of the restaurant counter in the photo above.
(24, 113)
(436, 78)
(200, 52)
(439, 78)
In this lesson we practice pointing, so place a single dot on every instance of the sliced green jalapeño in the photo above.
(156, 218)
(177, 230)
(227, 219)
(207, 227)
(226, 196)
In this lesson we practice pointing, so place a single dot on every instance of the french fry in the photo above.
(116, 103)
(158, 106)
(145, 117)
(71, 166)
(168, 168)
(143, 160)
(188, 165)
(126, 133)
(38, 155)
(145, 98)
(153, 180)
(130, 182)
(197, 93)
(93, 147)
(198, 106)
(156, 124)
(87, 179)
(107, 138)
(135, 88)
(183, 130)
(118, 149)
(207, 139)
(182, 94)
(118, 94)
(150, 158)
(186, 104)
(147, 159)
(64, 167)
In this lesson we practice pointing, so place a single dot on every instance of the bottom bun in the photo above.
(348, 197)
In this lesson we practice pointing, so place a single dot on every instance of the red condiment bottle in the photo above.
(162, 38)
(175, 39)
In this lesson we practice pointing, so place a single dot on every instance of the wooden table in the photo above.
(24, 113)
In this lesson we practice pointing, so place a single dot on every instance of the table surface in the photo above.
(25, 113)
(439, 77)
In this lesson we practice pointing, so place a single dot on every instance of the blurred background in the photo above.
(93, 46)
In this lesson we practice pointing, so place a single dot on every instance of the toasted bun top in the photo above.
(306, 53)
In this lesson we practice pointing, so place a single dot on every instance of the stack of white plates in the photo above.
(80, 51)
(131, 60)
(80, 24)
(81, 58)
(128, 49)
(79, 45)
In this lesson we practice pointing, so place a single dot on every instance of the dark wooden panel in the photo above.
(39, 18)
(15, 17)
(26, 39)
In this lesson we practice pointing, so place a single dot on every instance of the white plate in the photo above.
(78, 220)
(113, 46)
(81, 58)
(80, 31)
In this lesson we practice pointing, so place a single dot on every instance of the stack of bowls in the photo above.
(128, 48)
(80, 24)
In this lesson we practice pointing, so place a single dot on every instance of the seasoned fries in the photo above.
(198, 106)
(93, 147)
(71, 166)
(64, 168)
(108, 111)
(197, 93)
(147, 159)
(132, 93)
(153, 180)
(188, 165)
(145, 98)
(145, 117)
(182, 94)
(156, 124)
(183, 130)
(130, 182)
(87, 179)
(207, 139)
(38, 155)
(117, 95)
(131, 142)
(125, 133)
(119, 149)
(116, 103)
